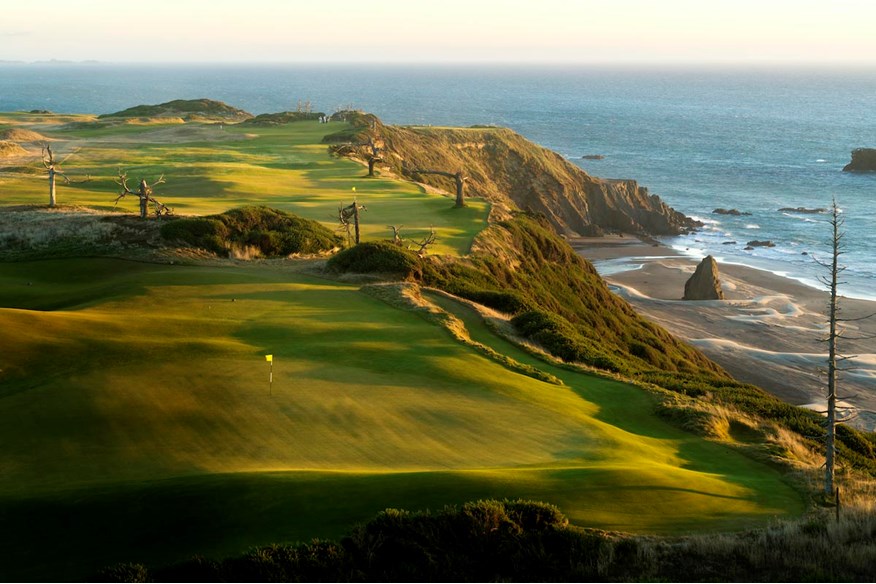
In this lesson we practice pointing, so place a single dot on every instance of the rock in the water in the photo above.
(803, 210)
(593, 157)
(863, 160)
(736, 212)
(757, 243)
(704, 284)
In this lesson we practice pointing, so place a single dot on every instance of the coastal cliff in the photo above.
(513, 173)
(863, 160)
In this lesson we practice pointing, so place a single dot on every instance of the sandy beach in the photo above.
(769, 330)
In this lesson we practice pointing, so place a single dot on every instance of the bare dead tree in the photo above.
(53, 169)
(396, 234)
(351, 148)
(349, 217)
(145, 194)
(832, 280)
(423, 245)
(459, 178)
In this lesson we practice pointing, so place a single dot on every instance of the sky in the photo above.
(452, 31)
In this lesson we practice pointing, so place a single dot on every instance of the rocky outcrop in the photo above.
(704, 284)
(757, 243)
(735, 212)
(514, 173)
(863, 160)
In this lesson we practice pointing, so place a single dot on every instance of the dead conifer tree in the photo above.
(353, 148)
(458, 177)
(374, 157)
(396, 234)
(834, 358)
(145, 194)
(349, 217)
(53, 169)
(834, 269)
(423, 244)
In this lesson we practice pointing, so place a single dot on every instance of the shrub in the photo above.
(271, 231)
(123, 573)
(378, 257)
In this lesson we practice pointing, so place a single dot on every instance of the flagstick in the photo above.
(271, 380)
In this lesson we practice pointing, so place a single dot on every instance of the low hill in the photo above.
(512, 172)
(21, 135)
(187, 109)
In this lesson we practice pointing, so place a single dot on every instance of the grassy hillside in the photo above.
(137, 395)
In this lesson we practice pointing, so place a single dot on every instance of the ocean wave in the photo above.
(752, 226)
(705, 220)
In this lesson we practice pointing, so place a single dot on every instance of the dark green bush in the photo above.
(272, 231)
(525, 541)
(507, 302)
(377, 257)
(123, 573)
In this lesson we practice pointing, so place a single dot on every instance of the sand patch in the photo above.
(11, 149)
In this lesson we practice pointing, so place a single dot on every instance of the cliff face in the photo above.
(512, 172)
(863, 160)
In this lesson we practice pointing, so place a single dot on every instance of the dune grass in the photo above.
(138, 425)
(211, 168)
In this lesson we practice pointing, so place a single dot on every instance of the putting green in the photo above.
(135, 405)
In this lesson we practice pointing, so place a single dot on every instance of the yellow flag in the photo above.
(354, 189)
(269, 358)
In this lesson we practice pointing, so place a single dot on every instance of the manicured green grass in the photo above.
(210, 170)
(138, 425)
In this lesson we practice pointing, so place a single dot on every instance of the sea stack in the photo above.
(863, 160)
(704, 284)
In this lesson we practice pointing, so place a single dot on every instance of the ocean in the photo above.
(756, 140)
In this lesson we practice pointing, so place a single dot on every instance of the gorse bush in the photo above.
(271, 232)
(378, 257)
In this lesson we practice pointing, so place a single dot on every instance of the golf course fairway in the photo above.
(138, 423)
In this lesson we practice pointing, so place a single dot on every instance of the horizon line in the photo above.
(674, 63)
